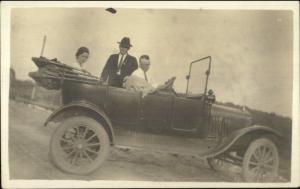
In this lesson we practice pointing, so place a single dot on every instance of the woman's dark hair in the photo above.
(82, 50)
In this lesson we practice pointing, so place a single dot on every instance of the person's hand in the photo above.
(160, 87)
(152, 91)
(125, 79)
(86, 72)
(102, 82)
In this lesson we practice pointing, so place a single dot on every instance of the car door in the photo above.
(122, 106)
(155, 112)
(187, 114)
(189, 111)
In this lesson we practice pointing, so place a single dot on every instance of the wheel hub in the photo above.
(79, 144)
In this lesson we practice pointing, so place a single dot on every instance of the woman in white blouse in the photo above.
(82, 56)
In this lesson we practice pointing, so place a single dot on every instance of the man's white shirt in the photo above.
(76, 65)
(119, 63)
(140, 73)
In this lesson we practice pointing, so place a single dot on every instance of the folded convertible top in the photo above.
(52, 73)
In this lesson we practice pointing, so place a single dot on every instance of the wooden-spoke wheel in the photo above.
(79, 145)
(215, 163)
(261, 161)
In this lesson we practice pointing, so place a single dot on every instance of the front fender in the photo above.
(238, 135)
(82, 106)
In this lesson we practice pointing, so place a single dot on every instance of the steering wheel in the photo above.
(169, 84)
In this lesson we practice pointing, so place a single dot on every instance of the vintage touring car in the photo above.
(95, 117)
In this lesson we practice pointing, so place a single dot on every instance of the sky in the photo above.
(251, 50)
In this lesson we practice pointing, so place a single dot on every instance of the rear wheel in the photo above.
(79, 145)
(261, 161)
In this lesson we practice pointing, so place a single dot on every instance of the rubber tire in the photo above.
(97, 128)
(212, 165)
(253, 145)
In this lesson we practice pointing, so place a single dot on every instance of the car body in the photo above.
(162, 121)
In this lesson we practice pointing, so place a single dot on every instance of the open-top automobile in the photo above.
(94, 117)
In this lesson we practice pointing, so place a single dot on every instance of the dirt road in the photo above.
(28, 155)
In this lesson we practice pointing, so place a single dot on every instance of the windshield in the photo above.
(197, 76)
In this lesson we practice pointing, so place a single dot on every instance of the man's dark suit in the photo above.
(111, 68)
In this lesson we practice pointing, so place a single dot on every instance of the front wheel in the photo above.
(79, 145)
(261, 161)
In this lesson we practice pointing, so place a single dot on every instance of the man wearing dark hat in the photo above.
(119, 65)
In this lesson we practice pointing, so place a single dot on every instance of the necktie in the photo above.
(146, 78)
(121, 62)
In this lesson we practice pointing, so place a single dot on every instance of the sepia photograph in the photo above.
(148, 94)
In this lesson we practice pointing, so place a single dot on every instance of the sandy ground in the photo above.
(28, 156)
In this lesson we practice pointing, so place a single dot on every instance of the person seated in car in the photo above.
(143, 70)
(82, 56)
(140, 80)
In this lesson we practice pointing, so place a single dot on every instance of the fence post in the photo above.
(33, 93)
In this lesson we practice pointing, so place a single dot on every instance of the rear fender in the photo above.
(86, 109)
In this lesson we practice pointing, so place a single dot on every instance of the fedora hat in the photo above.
(125, 42)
